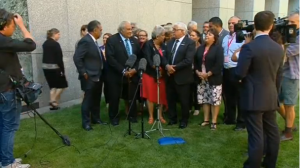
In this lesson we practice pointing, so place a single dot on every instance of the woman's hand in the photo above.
(248, 38)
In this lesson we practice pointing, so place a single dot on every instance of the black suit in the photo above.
(259, 67)
(178, 84)
(213, 62)
(88, 59)
(119, 85)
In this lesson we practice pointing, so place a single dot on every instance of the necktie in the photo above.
(173, 51)
(127, 47)
(99, 54)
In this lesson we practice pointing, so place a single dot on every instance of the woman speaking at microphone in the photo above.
(151, 48)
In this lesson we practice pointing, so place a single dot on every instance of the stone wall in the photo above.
(20, 6)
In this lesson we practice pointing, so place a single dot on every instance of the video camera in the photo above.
(288, 31)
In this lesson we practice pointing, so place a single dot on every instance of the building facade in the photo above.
(69, 15)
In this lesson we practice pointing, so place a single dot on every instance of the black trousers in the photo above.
(175, 92)
(90, 108)
(193, 97)
(231, 88)
(262, 130)
(125, 91)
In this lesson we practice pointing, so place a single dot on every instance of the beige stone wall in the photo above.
(203, 10)
(69, 15)
(293, 5)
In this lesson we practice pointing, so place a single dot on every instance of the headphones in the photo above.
(3, 20)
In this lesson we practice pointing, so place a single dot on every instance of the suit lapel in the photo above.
(182, 45)
(95, 45)
(122, 44)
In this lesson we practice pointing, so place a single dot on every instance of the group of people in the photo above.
(198, 70)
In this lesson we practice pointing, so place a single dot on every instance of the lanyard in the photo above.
(204, 55)
(229, 43)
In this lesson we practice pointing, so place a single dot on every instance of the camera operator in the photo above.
(290, 83)
(10, 74)
(230, 83)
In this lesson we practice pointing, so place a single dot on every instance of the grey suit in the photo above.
(222, 34)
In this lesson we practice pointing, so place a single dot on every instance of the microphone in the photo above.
(130, 62)
(156, 60)
(142, 66)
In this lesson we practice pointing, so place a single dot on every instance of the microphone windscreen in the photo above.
(156, 60)
(142, 64)
(131, 60)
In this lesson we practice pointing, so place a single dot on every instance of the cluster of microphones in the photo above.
(142, 64)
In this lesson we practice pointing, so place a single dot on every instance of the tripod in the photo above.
(143, 133)
(129, 131)
(65, 139)
(157, 121)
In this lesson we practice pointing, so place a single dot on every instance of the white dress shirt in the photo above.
(178, 44)
(230, 45)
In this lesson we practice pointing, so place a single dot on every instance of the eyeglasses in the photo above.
(176, 29)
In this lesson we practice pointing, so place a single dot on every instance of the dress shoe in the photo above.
(183, 125)
(87, 127)
(99, 122)
(239, 128)
(114, 123)
(172, 123)
(133, 120)
(227, 122)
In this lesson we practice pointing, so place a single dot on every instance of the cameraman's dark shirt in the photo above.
(9, 61)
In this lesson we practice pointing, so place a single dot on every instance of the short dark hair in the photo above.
(206, 22)
(93, 25)
(216, 21)
(51, 32)
(5, 18)
(263, 20)
(215, 33)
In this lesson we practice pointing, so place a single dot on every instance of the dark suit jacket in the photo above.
(222, 35)
(52, 54)
(117, 56)
(183, 60)
(259, 66)
(213, 62)
(149, 50)
(87, 58)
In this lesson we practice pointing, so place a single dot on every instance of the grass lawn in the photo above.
(107, 147)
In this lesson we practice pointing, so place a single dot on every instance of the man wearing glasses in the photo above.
(178, 62)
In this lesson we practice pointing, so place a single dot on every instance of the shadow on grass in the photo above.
(106, 146)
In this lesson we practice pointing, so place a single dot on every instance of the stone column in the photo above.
(293, 6)
(246, 9)
(278, 7)
(203, 10)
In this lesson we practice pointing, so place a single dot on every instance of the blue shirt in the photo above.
(128, 42)
(230, 45)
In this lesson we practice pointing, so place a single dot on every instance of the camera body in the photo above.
(287, 31)
(27, 91)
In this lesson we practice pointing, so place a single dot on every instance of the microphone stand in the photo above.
(143, 133)
(129, 131)
(157, 121)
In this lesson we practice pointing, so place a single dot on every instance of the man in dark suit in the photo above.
(204, 32)
(259, 67)
(119, 48)
(178, 62)
(89, 62)
(216, 23)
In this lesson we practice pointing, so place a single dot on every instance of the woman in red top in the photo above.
(152, 47)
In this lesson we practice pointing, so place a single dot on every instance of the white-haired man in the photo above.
(192, 25)
(178, 63)
(119, 47)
